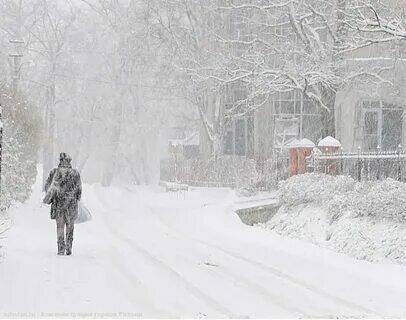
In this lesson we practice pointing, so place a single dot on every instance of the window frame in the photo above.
(298, 99)
(248, 148)
(378, 107)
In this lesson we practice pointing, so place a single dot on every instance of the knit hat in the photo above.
(64, 157)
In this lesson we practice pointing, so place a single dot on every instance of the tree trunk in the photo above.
(329, 96)
(328, 116)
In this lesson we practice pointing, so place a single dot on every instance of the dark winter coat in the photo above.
(64, 190)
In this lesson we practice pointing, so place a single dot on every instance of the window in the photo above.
(371, 130)
(239, 131)
(295, 117)
(239, 138)
(286, 129)
(382, 125)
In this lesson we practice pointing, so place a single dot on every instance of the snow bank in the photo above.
(379, 199)
(312, 188)
(4, 225)
(370, 239)
(302, 222)
(366, 220)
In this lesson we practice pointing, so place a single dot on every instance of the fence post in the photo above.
(359, 164)
(378, 172)
(314, 161)
(399, 166)
(342, 161)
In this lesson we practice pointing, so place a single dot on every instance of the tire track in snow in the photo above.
(188, 285)
(129, 278)
(253, 286)
(262, 291)
(249, 284)
(300, 283)
(124, 272)
(276, 272)
(196, 292)
(268, 269)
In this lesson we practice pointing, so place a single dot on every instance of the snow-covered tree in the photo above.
(266, 47)
(21, 140)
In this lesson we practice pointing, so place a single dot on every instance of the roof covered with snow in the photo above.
(304, 143)
(293, 143)
(329, 142)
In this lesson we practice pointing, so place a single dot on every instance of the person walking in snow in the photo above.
(63, 191)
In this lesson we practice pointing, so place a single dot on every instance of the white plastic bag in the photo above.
(83, 214)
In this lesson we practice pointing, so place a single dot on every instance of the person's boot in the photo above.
(69, 248)
(69, 239)
(61, 248)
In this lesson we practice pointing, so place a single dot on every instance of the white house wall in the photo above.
(349, 125)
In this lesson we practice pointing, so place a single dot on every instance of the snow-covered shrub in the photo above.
(313, 188)
(383, 199)
(342, 194)
(337, 206)
(369, 239)
(21, 128)
(301, 222)
(364, 238)
(363, 219)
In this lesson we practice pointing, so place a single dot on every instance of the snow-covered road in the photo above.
(152, 254)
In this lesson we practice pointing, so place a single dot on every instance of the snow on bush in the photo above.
(381, 199)
(369, 239)
(366, 220)
(21, 128)
(301, 222)
(366, 238)
(312, 187)
(340, 194)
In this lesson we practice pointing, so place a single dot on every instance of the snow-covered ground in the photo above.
(5, 223)
(154, 254)
(363, 219)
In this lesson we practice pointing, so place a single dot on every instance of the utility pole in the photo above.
(16, 56)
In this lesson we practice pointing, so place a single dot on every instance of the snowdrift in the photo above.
(366, 220)
(4, 225)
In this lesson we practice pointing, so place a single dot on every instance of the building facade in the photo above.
(368, 111)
